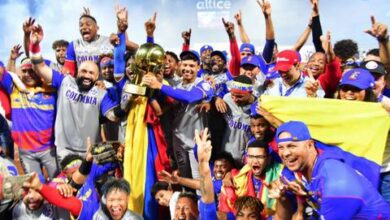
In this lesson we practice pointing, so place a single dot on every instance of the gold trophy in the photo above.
(148, 59)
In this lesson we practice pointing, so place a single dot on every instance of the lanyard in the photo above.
(258, 187)
(380, 98)
(291, 89)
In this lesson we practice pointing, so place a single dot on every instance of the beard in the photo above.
(61, 60)
(82, 87)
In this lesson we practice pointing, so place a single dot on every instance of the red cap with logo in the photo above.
(285, 59)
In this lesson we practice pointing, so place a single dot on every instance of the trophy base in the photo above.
(135, 89)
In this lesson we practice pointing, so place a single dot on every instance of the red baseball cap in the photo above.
(285, 59)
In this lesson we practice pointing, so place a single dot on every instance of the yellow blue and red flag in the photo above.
(145, 156)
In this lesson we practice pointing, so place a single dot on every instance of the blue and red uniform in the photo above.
(33, 116)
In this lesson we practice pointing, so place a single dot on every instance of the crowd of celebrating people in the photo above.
(108, 111)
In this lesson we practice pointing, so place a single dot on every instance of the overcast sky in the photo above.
(344, 18)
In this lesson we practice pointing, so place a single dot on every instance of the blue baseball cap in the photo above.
(1, 64)
(193, 53)
(297, 129)
(106, 61)
(220, 54)
(250, 60)
(206, 47)
(359, 78)
(247, 47)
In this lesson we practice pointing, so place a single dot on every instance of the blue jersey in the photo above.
(337, 191)
(88, 193)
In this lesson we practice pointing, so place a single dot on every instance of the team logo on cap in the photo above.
(354, 75)
(249, 59)
(282, 59)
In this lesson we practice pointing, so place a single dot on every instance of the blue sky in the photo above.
(344, 18)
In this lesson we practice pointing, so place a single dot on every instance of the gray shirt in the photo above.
(187, 118)
(80, 50)
(78, 113)
(237, 133)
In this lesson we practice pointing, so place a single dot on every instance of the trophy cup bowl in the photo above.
(148, 59)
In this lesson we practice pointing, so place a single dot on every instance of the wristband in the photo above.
(75, 185)
(36, 60)
(383, 39)
(85, 167)
(35, 53)
(34, 48)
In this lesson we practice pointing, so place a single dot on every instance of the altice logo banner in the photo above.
(210, 12)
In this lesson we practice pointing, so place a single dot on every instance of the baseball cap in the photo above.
(247, 47)
(192, 53)
(285, 59)
(206, 47)
(220, 54)
(297, 129)
(250, 60)
(359, 78)
(374, 67)
(1, 64)
(106, 61)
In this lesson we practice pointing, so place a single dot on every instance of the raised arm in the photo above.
(265, 7)
(120, 44)
(122, 24)
(15, 54)
(36, 57)
(204, 154)
(379, 31)
(303, 38)
(316, 26)
(186, 35)
(119, 57)
(150, 27)
(306, 33)
(27, 28)
(243, 35)
(234, 65)
(328, 48)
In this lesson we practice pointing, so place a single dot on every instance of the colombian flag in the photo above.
(145, 156)
(358, 128)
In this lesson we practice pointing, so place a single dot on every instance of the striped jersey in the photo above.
(33, 116)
